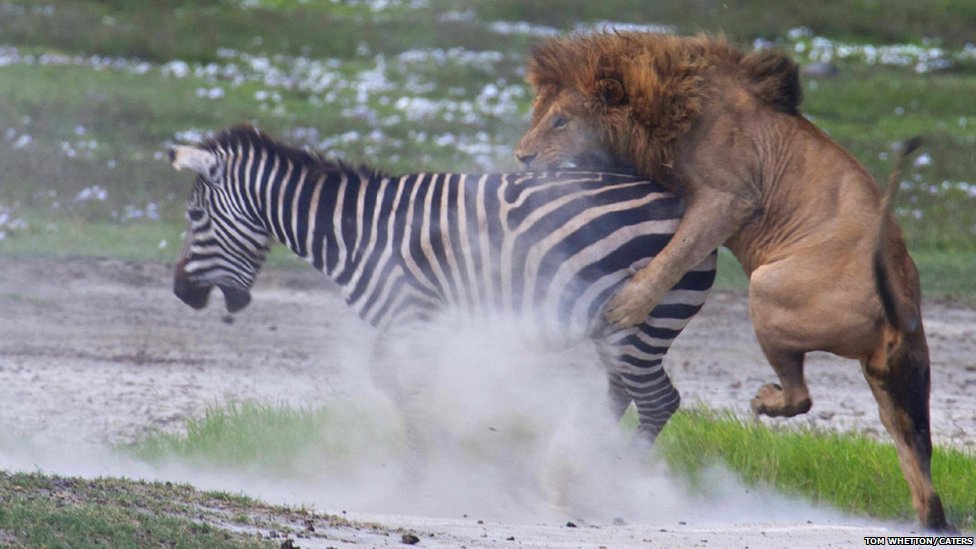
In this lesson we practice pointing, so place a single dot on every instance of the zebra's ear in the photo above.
(194, 159)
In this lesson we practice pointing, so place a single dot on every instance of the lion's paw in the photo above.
(772, 401)
(768, 400)
(629, 307)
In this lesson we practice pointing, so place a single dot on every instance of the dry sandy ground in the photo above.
(94, 353)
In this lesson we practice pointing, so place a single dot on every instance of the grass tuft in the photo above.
(847, 470)
(275, 439)
(52, 511)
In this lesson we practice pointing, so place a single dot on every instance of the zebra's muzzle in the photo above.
(235, 299)
(191, 294)
(196, 295)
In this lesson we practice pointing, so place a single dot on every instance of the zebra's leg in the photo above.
(634, 356)
(640, 371)
(618, 399)
(394, 367)
(656, 400)
(617, 395)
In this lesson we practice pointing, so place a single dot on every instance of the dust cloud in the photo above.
(510, 431)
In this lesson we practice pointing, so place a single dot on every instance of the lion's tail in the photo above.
(891, 262)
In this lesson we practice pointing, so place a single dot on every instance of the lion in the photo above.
(827, 264)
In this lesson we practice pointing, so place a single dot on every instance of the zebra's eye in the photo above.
(195, 215)
(559, 122)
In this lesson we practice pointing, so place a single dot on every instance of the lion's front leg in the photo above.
(711, 219)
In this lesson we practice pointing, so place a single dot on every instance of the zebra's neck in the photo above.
(315, 208)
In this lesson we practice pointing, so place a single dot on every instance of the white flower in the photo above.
(92, 193)
(522, 27)
(22, 141)
(191, 135)
(210, 93)
(799, 32)
(177, 68)
(923, 160)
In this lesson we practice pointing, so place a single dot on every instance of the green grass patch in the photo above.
(951, 21)
(194, 30)
(866, 109)
(52, 511)
(947, 274)
(847, 470)
(276, 439)
(62, 238)
(729, 275)
(157, 241)
(38, 510)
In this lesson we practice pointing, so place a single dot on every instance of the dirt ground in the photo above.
(97, 352)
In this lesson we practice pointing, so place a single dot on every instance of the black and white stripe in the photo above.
(549, 247)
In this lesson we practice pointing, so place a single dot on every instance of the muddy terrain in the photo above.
(96, 352)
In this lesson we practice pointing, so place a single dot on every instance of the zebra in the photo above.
(551, 246)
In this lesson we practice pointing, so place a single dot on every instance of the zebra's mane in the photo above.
(230, 138)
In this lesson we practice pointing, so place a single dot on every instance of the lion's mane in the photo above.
(667, 82)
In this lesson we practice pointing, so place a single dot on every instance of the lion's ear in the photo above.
(612, 92)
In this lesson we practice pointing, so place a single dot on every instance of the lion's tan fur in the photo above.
(827, 263)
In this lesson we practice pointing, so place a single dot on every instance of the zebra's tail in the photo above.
(892, 266)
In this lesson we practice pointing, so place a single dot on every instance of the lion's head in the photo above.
(564, 133)
(623, 99)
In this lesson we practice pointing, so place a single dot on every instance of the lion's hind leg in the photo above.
(898, 373)
(791, 397)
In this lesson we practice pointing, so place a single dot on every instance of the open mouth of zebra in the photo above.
(197, 295)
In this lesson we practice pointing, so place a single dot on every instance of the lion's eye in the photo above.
(559, 122)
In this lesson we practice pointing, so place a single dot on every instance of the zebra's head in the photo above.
(224, 246)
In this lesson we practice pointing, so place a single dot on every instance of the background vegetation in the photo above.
(91, 93)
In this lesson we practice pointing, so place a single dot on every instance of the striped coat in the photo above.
(548, 247)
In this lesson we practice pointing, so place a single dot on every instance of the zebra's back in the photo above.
(547, 246)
